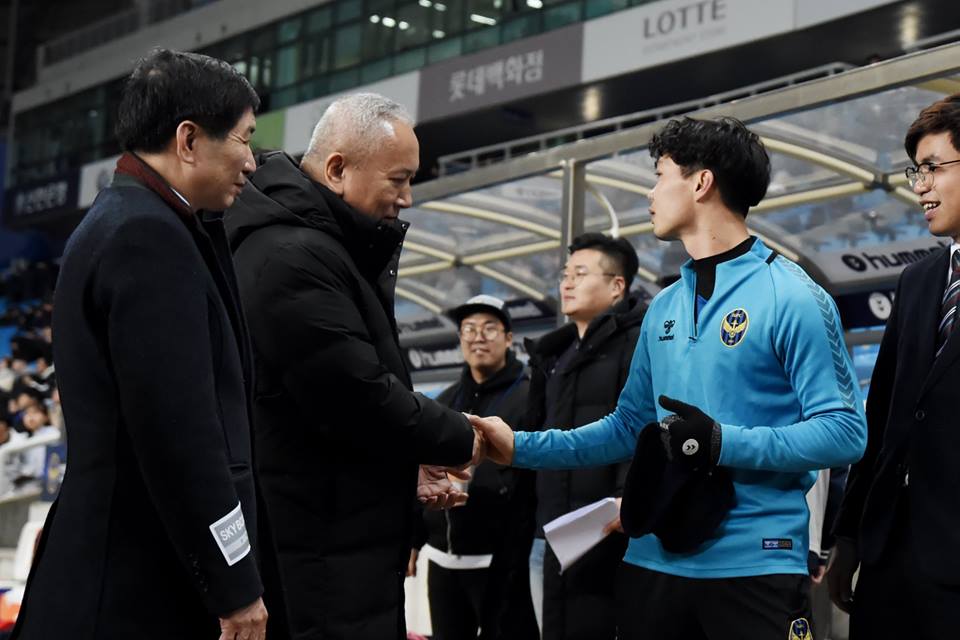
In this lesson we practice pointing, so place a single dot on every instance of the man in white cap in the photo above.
(478, 553)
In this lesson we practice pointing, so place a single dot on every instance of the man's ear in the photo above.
(705, 182)
(186, 141)
(333, 172)
(619, 286)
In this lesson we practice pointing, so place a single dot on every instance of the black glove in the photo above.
(690, 437)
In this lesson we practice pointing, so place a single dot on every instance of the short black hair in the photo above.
(734, 154)
(619, 251)
(941, 116)
(168, 87)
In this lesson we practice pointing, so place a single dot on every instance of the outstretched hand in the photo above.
(435, 490)
(497, 440)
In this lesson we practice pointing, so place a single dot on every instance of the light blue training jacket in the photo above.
(767, 361)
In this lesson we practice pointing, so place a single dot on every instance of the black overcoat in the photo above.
(913, 433)
(151, 363)
(339, 432)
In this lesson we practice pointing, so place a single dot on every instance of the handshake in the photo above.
(690, 438)
(445, 487)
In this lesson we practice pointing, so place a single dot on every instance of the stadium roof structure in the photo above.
(838, 202)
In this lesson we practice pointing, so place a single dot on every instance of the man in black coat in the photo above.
(477, 574)
(340, 434)
(900, 518)
(152, 535)
(577, 372)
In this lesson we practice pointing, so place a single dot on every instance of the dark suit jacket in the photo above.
(152, 363)
(913, 442)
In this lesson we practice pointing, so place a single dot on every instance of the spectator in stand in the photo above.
(9, 464)
(25, 399)
(5, 431)
(36, 422)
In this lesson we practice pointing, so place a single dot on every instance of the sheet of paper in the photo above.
(573, 534)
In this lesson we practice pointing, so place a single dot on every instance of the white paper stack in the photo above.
(572, 535)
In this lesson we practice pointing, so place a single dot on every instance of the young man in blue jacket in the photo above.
(743, 361)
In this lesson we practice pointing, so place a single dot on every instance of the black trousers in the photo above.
(895, 599)
(456, 601)
(658, 606)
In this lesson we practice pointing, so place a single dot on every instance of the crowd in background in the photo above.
(29, 398)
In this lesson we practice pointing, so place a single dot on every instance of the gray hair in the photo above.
(355, 125)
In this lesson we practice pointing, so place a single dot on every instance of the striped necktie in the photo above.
(948, 306)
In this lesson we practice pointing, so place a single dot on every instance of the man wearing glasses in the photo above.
(478, 552)
(577, 372)
(899, 520)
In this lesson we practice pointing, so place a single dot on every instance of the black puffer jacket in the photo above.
(339, 431)
(579, 603)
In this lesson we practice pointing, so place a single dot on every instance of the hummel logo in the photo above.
(667, 327)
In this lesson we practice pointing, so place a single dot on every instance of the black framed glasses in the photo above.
(923, 172)
(469, 332)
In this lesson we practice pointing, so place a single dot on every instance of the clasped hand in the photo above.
(437, 486)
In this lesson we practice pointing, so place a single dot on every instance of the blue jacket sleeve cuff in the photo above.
(521, 450)
(730, 437)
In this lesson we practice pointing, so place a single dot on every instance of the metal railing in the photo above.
(116, 26)
(482, 156)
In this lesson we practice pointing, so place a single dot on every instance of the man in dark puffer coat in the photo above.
(577, 372)
(339, 431)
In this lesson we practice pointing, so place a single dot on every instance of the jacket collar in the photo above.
(758, 253)
(280, 193)
(132, 165)
(626, 313)
(500, 380)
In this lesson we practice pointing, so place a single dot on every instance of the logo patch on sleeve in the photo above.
(230, 533)
(777, 543)
(800, 630)
(734, 327)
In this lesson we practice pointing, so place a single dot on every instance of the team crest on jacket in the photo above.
(800, 630)
(734, 327)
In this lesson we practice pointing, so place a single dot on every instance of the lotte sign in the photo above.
(684, 17)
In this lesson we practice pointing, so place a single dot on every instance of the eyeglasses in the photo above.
(470, 332)
(577, 276)
(923, 172)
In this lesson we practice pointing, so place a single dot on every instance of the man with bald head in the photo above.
(339, 432)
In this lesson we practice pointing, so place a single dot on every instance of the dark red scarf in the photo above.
(131, 165)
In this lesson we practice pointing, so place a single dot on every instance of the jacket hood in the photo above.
(625, 314)
(279, 193)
